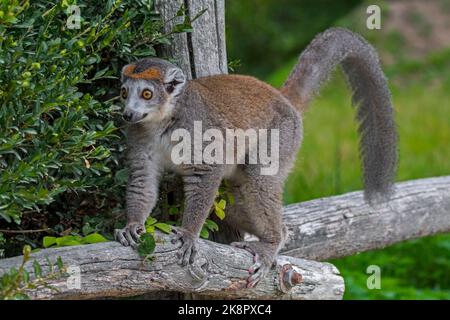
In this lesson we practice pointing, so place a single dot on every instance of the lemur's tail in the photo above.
(371, 96)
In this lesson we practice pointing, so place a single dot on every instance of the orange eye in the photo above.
(123, 93)
(147, 94)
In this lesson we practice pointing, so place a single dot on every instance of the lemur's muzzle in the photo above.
(133, 117)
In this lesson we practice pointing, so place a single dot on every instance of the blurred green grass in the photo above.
(328, 164)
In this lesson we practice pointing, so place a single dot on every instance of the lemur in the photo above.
(159, 99)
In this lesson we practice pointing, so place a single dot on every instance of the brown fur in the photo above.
(235, 95)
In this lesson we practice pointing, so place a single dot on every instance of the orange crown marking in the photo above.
(149, 74)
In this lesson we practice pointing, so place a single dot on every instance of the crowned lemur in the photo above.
(158, 100)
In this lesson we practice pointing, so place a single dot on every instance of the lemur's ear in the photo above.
(174, 81)
(126, 70)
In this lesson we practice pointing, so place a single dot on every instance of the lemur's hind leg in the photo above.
(261, 215)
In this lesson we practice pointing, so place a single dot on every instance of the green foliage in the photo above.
(417, 269)
(174, 212)
(219, 208)
(72, 240)
(146, 246)
(151, 223)
(15, 283)
(56, 136)
(208, 226)
(61, 141)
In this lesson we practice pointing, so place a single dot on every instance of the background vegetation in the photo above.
(61, 139)
(60, 134)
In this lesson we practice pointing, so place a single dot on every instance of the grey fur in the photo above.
(239, 102)
(371, 96)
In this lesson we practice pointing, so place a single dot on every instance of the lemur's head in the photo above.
(149, 89)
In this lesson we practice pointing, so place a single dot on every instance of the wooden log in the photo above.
(343, 225)
(111, 270)
(320, 229)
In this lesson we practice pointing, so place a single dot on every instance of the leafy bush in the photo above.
(60, 135)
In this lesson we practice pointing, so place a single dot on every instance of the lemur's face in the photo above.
(149, 89)
(144, 100)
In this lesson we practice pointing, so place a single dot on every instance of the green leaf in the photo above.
(26, 251)
(146, 245)
(173, 210)
(48, 241)
(121, 176)
(181, 11)
(37, 269)
(91, 60)
(219, 212)
(150, 229)
(49, 264)
(211, 225)
(59, 263)
(30, 131)
(21, 296)
(164, 227)
(94, 238)
(204, 233)
(150, 221)
(200, 13)
(26, 276)
(100, 73)
(222, 204)
(69, 241)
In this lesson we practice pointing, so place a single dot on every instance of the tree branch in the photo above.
(319, 229)
(343, 225)
(111, 270)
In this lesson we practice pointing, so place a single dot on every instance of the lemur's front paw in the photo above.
(129, 236)
(188, 250)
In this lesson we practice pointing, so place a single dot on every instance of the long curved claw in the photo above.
(129, 236)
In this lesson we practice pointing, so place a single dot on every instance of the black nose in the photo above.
(144, 115)
(126, 116)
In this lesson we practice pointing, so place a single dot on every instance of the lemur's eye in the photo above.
(123, 93)
(147, 94)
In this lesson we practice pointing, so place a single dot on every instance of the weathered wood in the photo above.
(344, 225)
(178, 49)
(201, 52)
(320, 229)
(208, 39)
(111, 270)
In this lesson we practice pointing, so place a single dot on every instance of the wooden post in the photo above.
(201, 52)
